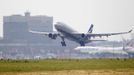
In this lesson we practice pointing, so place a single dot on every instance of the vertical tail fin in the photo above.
(91, 29)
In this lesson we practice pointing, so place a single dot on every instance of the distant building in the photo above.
(39, 23)
(16, 27)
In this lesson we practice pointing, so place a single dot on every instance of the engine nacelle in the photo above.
(83, 35)
(52, 36)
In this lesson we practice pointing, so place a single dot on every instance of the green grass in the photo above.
(64, 64)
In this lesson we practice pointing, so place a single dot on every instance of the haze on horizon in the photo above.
(106, 15)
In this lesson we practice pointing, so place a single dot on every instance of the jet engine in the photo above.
(83, 35)
(52, 36)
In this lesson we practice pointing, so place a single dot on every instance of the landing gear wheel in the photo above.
(82, 43)
(63, 43)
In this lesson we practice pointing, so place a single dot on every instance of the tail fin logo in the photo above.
(90, 29)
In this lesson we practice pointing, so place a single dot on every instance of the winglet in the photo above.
(130, 31)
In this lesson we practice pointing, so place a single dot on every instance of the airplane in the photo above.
(64, 31)
(100, 49)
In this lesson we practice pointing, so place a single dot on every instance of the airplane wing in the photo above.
(44, 33)
(106, 34)
(52, 35)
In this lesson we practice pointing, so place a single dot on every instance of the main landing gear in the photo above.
(63, 42)
(82, 43)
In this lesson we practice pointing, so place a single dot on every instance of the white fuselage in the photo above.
(68, 32)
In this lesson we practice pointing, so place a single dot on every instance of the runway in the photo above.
(76, 72)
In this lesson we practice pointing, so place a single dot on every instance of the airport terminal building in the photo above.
(16, 27)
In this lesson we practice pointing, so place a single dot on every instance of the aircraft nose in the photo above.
(59, 25)
(56, 26)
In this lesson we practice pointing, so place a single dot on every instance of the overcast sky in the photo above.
(106, 15)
